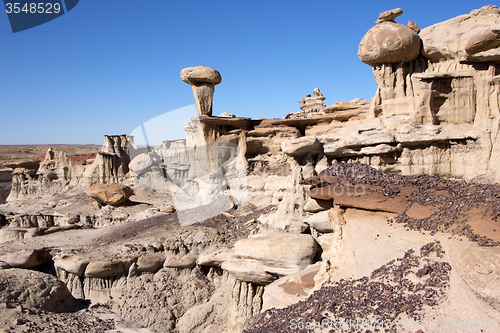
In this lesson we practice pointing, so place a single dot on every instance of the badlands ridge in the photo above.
(381, 212)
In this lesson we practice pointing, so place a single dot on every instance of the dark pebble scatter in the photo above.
(453, 199)
(402, 286)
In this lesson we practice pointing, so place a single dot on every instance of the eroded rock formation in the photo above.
(203, 81)
(343, 238)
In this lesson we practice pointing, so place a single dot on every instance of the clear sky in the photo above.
(108, 66)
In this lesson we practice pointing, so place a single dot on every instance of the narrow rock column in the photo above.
(203, 81)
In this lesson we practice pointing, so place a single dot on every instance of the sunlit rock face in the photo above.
(389, 42)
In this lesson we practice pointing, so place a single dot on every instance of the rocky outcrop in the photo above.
(72, 264)
(57, 173)
(485, 40)
(349, 231)
(466, 37)
(311, 106)
(259, 259)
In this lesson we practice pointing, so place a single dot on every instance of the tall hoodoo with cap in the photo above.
(203, 81)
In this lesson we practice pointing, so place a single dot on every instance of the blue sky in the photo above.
(108, 66)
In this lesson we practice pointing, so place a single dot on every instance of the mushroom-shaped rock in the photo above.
(111, 194)
(389, 42)
(203, 81)
(389, 15)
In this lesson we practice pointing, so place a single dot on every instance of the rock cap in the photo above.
(22, 164)
(389, 42)
(389, 15)
(200, 74)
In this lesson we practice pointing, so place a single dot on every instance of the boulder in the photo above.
(26, 258)
(104, 269)
(32, 289)
(168, 210)
(141, 163)
(483, 40)
(111, 194)
(389, 42)
(479, 268)
(200, 74)
(227, 115)
(260, 258)
(370, 133)
(4, 265)
(361, 196)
